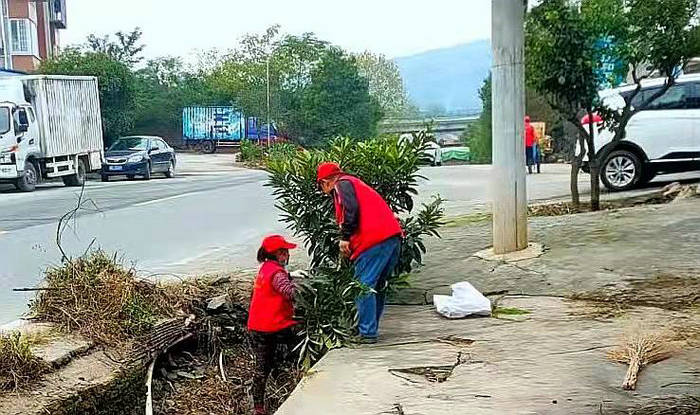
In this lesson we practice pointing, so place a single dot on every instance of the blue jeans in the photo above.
(373, 267)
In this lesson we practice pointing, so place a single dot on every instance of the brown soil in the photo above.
(568, 208)
(208, 393)
(667, 291)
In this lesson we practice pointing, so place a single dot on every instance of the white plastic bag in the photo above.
(464, 301)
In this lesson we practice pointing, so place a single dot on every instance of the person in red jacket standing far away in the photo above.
(370, 235)
(271, 315)
(530, 138)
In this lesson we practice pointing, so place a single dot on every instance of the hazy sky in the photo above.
(177, 27)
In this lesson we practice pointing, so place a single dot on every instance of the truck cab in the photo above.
(19, 145)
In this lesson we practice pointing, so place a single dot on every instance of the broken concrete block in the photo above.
(217, 303)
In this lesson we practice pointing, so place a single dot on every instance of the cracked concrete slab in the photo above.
(552, 362)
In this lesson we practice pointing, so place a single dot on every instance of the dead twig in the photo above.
(221, 366)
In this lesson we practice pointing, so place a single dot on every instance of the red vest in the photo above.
(269, 311)
(377, 221)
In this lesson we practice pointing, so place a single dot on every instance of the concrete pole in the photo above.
(508, 103)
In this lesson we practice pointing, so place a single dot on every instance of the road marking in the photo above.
(165, 199)
(3, 232)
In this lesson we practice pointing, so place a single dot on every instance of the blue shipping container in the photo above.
(213, 123)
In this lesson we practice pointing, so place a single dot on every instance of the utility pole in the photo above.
(4, 33)
(268, 99)
(508, 103)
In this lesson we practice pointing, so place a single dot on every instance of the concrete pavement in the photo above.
(632, 269)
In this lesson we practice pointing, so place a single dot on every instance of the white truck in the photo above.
(50, 127)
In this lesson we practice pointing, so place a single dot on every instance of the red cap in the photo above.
(326, 170)
(274, 243)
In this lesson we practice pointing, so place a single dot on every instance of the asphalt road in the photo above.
(208, 219)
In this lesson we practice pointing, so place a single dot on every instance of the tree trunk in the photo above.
(594, 165)
(575, 197)
(595, 185)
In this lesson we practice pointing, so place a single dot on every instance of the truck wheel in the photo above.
(28, 181)
(208, 147)
(78, 179)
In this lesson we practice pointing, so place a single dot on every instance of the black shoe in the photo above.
(364, 340)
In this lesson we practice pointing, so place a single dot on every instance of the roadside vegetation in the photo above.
(97, 296)
(317, 90)
(18, 365)
(326, 303)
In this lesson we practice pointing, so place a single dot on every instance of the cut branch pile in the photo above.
(98, 297)
(640, 349)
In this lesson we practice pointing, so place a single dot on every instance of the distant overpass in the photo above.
(440, 125)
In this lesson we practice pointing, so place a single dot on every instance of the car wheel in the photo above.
(105, 178)
(147, 176)
(622, 170)
(28, 181)
(170, 173)
(78, 179)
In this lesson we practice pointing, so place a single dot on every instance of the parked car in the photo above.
(139, 156)
(662, 139)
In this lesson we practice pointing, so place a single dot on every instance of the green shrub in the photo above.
(280, 151)
(251, 152)
(325, 303)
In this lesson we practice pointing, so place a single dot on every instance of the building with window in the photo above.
(30, 32)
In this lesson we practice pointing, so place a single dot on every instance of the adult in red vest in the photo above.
(370, 235)
(271, 315)
(530, 142)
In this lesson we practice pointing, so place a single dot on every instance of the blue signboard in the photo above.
(213, 123)
(611, 71)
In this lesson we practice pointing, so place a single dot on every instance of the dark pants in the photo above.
(265, 347)
(529, 156)
(373, 267)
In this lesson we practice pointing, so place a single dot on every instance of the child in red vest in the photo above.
(271, 315)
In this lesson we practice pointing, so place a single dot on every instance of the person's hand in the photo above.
(344, 248)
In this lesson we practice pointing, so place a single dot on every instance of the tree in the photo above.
(479, 137)
(125, 49)
(325, 302)
(385, 83)
(117, 85)
(337, 101)
(565, 60)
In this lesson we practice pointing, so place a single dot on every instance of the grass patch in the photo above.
(470, 219)
(509, 311)
(100, 298)
(18, 365)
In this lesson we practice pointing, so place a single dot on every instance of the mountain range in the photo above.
(448, 79)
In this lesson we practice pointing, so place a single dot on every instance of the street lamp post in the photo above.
(508, 83)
